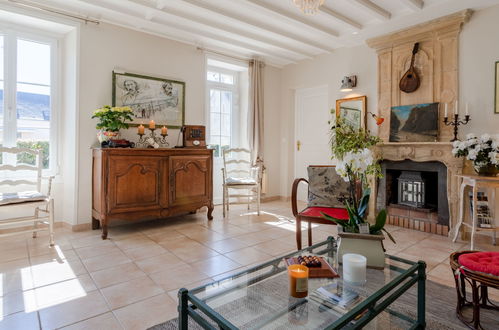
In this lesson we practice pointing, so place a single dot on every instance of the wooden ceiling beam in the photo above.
(220, 26)
(340, 17)
(258, 24)
(374, 9)
(294, 18)
(189, 29)
(414, 4)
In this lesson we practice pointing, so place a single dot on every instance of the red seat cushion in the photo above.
(483, 262)
(338, 213)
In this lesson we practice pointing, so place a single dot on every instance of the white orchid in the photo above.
(494, 157)
(355, 162)
(470, 136)
(485, 138)
(472, 153)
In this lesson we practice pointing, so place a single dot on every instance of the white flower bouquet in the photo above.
(483, 151)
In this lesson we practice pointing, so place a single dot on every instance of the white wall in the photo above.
(323, 70)
(478, 52)
(106, 47)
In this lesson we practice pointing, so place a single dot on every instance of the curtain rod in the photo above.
(54, 11)
(222, 54)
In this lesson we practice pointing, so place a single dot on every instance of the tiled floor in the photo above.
(131, 280)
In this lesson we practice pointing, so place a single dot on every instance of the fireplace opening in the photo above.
(414, 190)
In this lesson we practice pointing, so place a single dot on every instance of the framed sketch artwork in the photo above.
(150, 98)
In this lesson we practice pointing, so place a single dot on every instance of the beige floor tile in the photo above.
(206, 236)
(105, 321)
(38, 249)
(90, 240)
(442, 274)
(276, 247)
(252, 238)
(189, 251)
(145, 252)
(105, 261)
(118, 274)
(215, 265)
(147, 313)
(74, 310)
(178, 277)
(134, 242)
(122, 294)
(159, 263)
(225, 229)
(60, 292)
(248, 256)
(11, 303)
(13, 253)
(14, 265)
(16, 280)
(92, 251)
(226, 245)
(20, 321)
(56, 271)
(165, 235)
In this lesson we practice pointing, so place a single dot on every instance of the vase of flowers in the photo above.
(111, 120)
(356, 162)
(483, 151)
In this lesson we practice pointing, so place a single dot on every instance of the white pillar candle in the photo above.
(354, 268)
(467, 110)
(445, 110)
(456, 109)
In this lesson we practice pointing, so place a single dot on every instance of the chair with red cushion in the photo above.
(334, 186)
(481, 271)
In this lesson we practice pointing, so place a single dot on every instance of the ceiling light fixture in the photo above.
(309, 7)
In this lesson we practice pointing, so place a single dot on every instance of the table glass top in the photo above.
(259, 297)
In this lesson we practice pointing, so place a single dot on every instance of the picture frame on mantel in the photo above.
(151, 98)
(496, 90)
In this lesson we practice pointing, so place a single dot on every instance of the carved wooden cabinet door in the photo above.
(136, 183)
(190, 179)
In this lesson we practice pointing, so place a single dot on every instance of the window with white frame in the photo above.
(27, 72)
(223, 99)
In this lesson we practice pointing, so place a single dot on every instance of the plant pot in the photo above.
(488, 170)
(105, 136)
(370, 246)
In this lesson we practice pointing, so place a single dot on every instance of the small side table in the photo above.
(476, 182)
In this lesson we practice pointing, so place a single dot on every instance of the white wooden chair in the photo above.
(239, 174)
(28, 177)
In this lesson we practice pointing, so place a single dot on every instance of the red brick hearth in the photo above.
(407, 217)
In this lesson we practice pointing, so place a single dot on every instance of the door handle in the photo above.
(298, 145)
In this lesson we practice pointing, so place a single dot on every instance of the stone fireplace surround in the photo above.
(437, 65)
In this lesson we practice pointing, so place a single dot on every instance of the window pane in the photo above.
(226, 102)
(215, 124)
(213, 76)
(33, 96)
(225, 125)
(227, 78)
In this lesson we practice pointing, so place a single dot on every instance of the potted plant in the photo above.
(483, 151)
(352, 148)
(111, 120)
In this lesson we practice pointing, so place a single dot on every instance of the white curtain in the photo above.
(255, 110)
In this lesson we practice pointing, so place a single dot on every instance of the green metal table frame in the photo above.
(189, 304)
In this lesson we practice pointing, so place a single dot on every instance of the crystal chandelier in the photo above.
(309, 7)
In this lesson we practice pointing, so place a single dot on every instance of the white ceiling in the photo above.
(274, 30)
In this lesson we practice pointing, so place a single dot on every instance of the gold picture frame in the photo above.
(352, 111)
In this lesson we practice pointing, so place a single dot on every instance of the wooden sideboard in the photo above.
(133, 184)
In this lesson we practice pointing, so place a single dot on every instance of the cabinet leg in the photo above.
(95, 224)
(210, 211)
(104, 229)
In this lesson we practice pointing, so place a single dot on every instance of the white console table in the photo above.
(476, 182)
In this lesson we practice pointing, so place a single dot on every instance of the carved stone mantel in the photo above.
(424, 152)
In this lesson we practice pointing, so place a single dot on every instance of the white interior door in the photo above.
(311, 131)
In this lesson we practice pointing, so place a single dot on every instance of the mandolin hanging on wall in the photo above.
(410, 80)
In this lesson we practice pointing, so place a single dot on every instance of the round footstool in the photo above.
(481, 271)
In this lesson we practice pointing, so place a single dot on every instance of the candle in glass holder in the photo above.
(298, 281)
(152, 124)
(354, 268)
(164, 130)
(141, 129)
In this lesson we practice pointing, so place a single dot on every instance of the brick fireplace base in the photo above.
(417, 220)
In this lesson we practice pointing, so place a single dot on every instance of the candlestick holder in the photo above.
(149, 140)
(456, 123)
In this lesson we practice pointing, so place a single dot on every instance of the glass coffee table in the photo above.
(258, 298)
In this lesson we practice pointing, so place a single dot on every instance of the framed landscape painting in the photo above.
(414, 123)
(150, 98)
